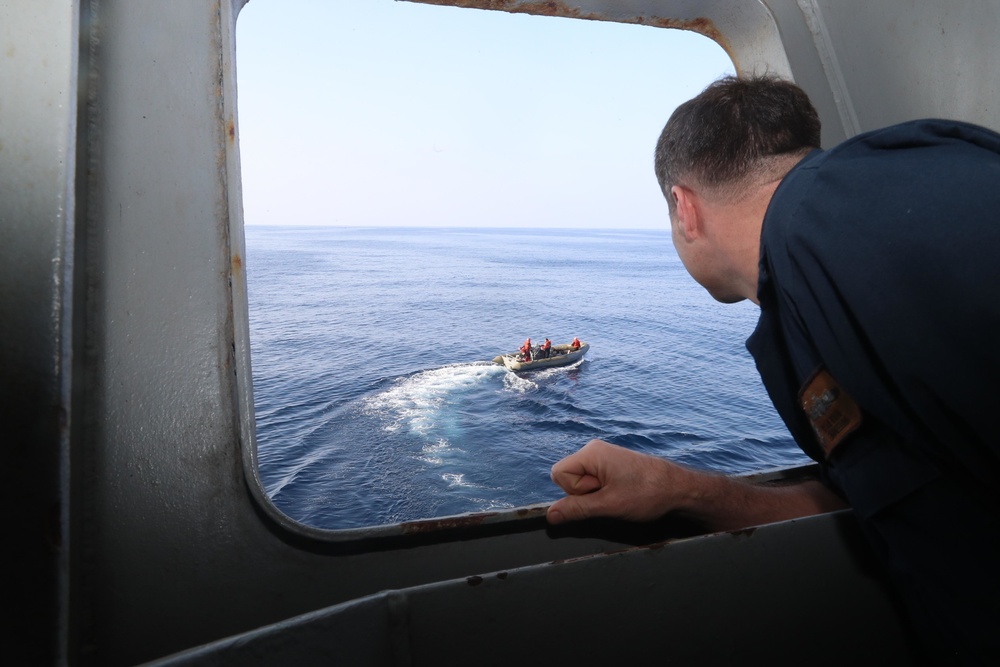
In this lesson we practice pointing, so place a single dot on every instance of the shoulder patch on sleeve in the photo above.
(832, 412)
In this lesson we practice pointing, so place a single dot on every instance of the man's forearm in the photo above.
(726, 503)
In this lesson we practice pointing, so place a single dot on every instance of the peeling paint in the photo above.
(700, 25)
(744, 532)
(431, 525)
(469, 520)
(524, 512)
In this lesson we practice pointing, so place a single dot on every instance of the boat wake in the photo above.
(419, 403)
(438, 419)
(427, 402)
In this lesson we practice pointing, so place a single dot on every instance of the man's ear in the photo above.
(689, 224)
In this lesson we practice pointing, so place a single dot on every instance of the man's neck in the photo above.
(737, 233)
(742, 224)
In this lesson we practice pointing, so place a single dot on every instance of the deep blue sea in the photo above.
(376, 400)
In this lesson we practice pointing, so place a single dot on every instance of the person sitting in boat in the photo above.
(546, 349)
(575, 344)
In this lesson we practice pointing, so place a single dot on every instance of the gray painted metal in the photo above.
(139, 525)
(38, 113)
(633, 607)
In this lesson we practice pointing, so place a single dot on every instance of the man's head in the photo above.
(719, 159)
(735, 135)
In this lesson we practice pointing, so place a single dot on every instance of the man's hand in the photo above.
(605, 480)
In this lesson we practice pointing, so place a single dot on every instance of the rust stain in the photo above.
(700, 25)
(744, 532)
(543, 8)
(237, 263)
(231, 130)
(447, 523)
(642, 547)
(531, 511)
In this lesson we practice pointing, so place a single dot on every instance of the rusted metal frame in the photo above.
(747, 31)
(698, 24)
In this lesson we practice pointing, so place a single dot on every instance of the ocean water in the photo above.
(376, 400)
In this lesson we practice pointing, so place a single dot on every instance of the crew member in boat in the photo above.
(874, 267)
(526, 350)
(546, 349)
(575, 344)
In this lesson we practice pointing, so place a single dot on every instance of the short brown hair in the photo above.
(730, 133)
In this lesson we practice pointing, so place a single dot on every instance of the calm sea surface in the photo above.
(376, 401)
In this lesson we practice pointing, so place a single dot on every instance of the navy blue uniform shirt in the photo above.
(880, 271)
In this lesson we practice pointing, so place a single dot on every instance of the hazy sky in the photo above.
(377, 112)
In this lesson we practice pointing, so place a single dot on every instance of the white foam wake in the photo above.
(415, 402)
